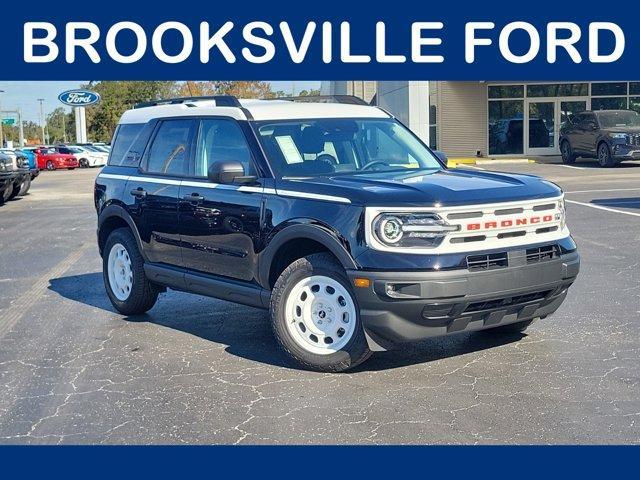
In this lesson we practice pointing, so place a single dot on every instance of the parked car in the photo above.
(334, 217)
(610, 136)
(33, 165)
(88, 156)
(15, 172)
(51, 159)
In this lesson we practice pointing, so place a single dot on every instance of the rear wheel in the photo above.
(50, 165)
(315, 316)
(127, 286)
(84, 163)
(567, 152)
(604, 156)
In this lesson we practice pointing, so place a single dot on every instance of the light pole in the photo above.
(41, 100)
(1, 135)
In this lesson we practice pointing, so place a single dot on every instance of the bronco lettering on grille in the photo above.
(510, 223)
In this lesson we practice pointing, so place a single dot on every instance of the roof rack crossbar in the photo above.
(347, 99)
(221, 101)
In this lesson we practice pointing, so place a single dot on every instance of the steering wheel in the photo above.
(327, 158)
(373, 164)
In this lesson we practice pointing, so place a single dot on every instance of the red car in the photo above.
(51, 159)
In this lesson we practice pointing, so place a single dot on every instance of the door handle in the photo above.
(194, 198)
(139, 192)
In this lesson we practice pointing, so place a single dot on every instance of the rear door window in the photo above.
(169, 151)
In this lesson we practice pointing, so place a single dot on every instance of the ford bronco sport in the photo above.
(335, 217)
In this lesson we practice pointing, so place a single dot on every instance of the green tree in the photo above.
(116, 97)
(61, 126)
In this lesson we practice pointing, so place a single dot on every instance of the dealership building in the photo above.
(490, 119)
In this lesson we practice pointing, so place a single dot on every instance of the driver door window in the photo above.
(221, 140)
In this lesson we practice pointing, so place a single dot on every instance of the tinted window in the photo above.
(634, 88)
(169, 152)
(123, 139)
(65, 151)
(221, 140)
(506, 132)
(617, 88)
(558, 90)
(609, 103)
(506, 91)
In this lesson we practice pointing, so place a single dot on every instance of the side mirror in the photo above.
(229, 172)
(441, 155)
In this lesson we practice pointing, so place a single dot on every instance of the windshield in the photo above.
(74, 150)
(341, 146)
(621, 118)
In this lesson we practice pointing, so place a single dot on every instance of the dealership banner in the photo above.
(328, 40)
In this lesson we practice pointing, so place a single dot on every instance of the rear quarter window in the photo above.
(123, 139)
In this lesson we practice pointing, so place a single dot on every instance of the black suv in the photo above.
(611, 136)
(335, 217)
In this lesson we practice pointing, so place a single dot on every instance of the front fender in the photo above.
(304, 229)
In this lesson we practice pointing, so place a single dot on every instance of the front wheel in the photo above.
(50, 165)
(315, 315)
(127, 286)
(567, 153)
(84, 163)
(604, 156)
(26, 185)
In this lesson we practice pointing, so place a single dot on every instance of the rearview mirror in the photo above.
(441, 155)
(229, 172)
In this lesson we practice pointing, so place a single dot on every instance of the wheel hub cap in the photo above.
(320, 314)
(119, 272)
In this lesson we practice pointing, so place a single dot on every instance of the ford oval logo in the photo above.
(79, 98)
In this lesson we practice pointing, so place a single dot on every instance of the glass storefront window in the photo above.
(506, 127)
(634, 104)
(558, 90)
(506, 91)
(609, 103)
(612, 88)
(634, 88)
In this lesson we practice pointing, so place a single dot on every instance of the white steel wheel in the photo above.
(119, 272)
(320, 315)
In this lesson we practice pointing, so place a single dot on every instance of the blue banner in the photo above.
(324, 40)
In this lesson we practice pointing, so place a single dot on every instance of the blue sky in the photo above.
(24, 95)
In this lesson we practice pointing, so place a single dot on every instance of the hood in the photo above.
(427, 187)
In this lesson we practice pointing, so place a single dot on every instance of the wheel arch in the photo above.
(296, 241)
(112, 217)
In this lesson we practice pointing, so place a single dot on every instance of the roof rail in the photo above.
(221, 101)
(348, 99)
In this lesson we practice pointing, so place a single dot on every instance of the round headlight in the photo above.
(389, 229)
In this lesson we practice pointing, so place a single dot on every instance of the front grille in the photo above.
(506, 302)
(541, 254)
(488, 261)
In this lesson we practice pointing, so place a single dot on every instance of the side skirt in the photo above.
(208, 285)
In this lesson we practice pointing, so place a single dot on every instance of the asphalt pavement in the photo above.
(200, 370)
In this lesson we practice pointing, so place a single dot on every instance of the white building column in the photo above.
(408, 101)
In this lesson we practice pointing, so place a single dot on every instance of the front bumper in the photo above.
(622, 152)
(8, 178)
(407, 306)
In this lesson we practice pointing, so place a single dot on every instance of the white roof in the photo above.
(258, 109)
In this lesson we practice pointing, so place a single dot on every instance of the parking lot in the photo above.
(199, 370)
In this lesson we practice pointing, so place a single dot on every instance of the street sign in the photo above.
(8, 121)
(79, 98)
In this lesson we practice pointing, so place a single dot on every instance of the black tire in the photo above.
(568, 156)
(4, 194)
(14, 191)
(84, 163)
(71, 168)
(510, 329)
(26, 185)
(353, 353)
(143, 294)
(605, 159)
(50, 166)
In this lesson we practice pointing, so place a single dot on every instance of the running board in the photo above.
(208, 285)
